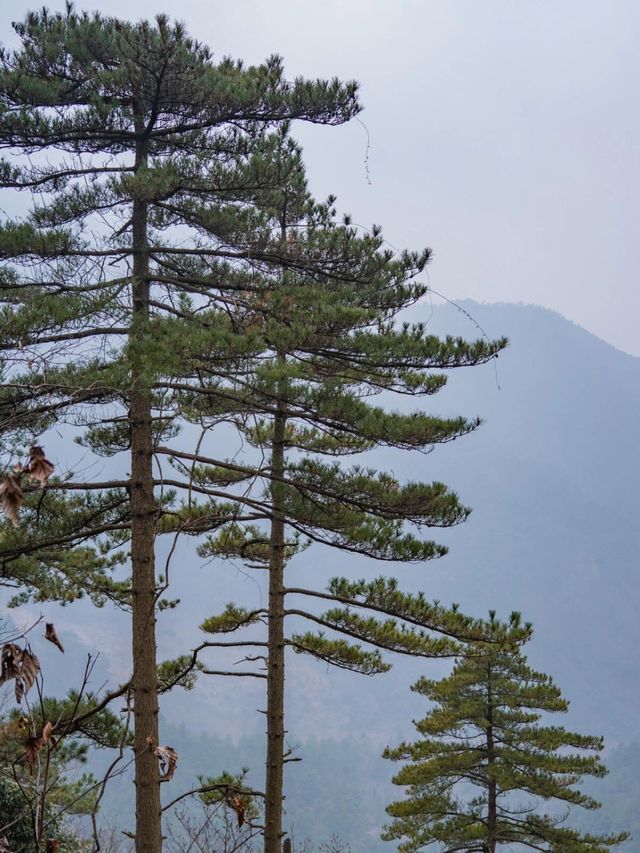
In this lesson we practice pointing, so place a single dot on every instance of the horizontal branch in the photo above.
(219, 786)
(380, 644)
(380, 609)
(63, 174)
(236, 674)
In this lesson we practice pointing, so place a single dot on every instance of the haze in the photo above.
(503, 135)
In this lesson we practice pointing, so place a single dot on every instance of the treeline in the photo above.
(324, 796)
(328, 795)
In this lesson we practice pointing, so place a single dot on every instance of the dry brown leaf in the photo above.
(238, 806)
(21, 665)
(32, 747)
(20, 691)
(168, 759)
(39, 467)
(52, 635)
(47, 732)
(11, 497)
(53, 846)
(29, 669)
(10, 662)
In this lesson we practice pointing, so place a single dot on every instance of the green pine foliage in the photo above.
(174, 269)
(39, 795)
(19, 821)
(142, 157)
(488, 771)
(322, 337)
(72, 98)
(327, 340)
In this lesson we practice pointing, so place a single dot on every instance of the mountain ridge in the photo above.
(551, 477)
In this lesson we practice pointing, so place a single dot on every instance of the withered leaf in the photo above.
(29, 669)
(238, 806)
(21, 665)
(39, 467)
(47, 733)
(32, 747)
(10, 659)
(168, 758)
(53, 846)
(11, 497)
(52, 635)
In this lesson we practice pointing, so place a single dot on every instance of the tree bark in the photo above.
(492, 804)
(275, 670)
(148, 836)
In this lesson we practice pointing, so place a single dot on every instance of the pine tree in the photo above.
(121, 126)
(487, 772)
(175, 269)
(40, 787)
(326, 339)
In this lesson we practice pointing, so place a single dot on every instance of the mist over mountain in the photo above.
(552, 477)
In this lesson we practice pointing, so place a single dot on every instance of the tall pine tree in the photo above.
(325, 338)
(119, 126)
(486, 772)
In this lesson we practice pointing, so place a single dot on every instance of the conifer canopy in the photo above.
(487, 771)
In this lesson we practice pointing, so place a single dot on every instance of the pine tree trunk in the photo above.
(148, 837)
(492, 810)
(275, 672)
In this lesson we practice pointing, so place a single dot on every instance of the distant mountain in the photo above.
(553, 478)
(341, 787)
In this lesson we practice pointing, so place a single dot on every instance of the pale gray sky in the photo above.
(505, 135)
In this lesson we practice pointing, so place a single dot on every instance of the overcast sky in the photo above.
(505, 135)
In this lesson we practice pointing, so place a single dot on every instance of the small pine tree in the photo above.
(41, 785)
(485, 767)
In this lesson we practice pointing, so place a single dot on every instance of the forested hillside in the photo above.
(553, 533)
(343, 786)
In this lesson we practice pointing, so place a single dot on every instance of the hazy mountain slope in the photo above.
(342, 787)
(552, 478)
